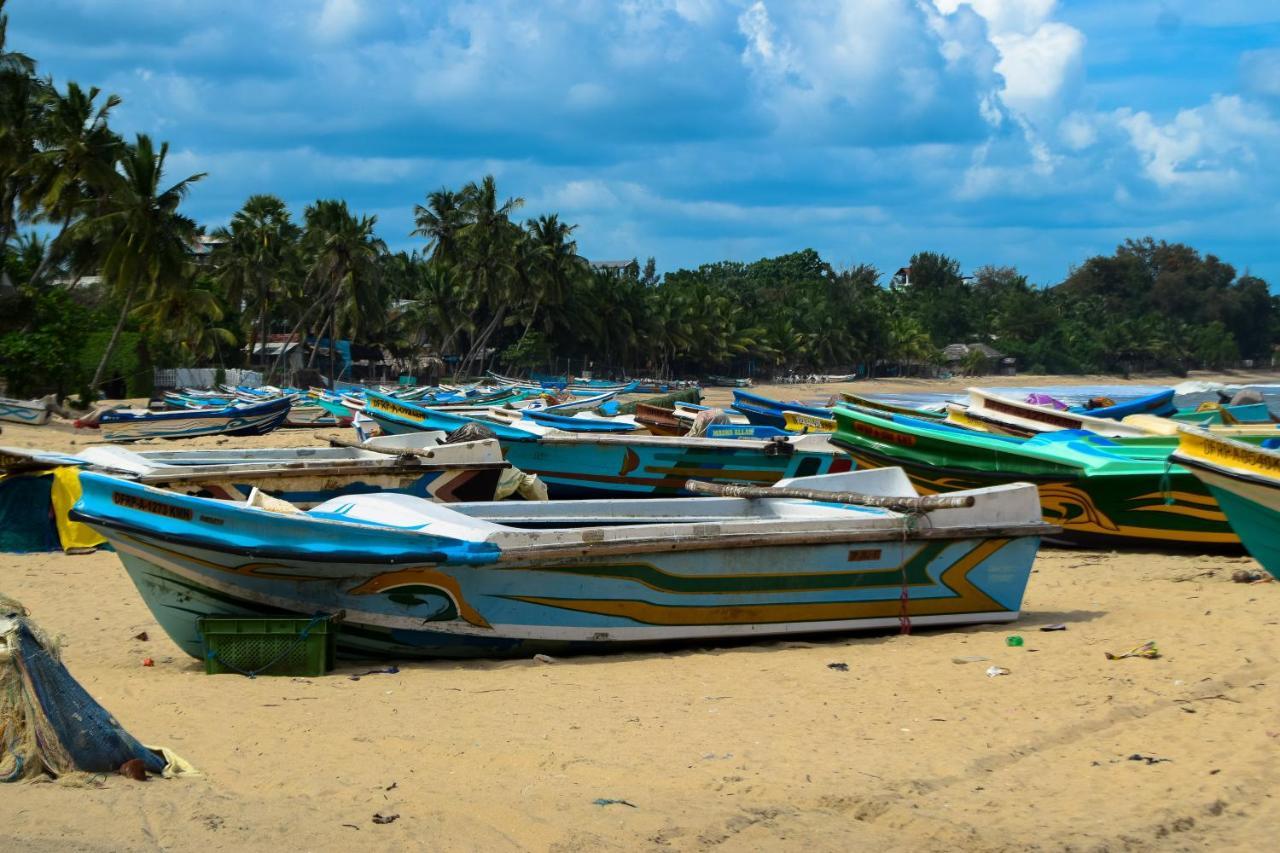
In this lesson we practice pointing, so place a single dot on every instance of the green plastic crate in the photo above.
(268, 646)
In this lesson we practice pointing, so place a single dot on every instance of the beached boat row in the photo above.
(938, 525)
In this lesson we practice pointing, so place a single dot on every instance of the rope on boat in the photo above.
(911, 523)
(913, 503)
(1166, 483)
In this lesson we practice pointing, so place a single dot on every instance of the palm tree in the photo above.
(489, 242)
(20, 94)
(342, 254)
(74, 161)
(144, 240)
(440, 221)
(185, 318)
(552, 263)
(254, 262)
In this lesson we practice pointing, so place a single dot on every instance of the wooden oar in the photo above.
(920, 503)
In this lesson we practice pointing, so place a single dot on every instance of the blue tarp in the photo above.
(26, 514)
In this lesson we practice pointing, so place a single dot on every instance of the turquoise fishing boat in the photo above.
(603, 466)
(1245, 480)
(1102, 492)
(411, 578)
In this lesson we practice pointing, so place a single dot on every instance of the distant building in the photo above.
(265, 355)
(202, 248)
(617, 267)
(993, 360)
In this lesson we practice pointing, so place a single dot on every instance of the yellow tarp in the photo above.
(64, 494)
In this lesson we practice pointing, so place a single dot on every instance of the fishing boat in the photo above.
(1245, 481)
(304, 476)
(581, 423)
(313, 415)
(396, 417)
(1020, 418)
(728, 382)
(412, 578)
(602, 466)
(28, 412)
(1102, 492)
(235, 419)
(875, 404)
(765, 411)
(659, 421)
(1159, 404)
(796, 422)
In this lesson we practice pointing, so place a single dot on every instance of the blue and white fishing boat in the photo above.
(28, 412)
(765, 411)
(234, 419)
(397, 417)
(413, 578)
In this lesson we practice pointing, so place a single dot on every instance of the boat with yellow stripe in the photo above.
(833, 553)
(1102, 492)
(1245, 481)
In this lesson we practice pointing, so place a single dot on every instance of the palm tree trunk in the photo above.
(532, 316)
(333, 346)
(481, 342)
(262, 333)
(293, 334)
(115, 336)
(48, 256)
(311, 360)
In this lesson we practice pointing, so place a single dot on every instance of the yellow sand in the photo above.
(746, 747)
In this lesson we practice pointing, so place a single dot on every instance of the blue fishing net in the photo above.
(48, 722)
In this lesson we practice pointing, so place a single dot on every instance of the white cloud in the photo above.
(1078, 131)
(1205, 147)
(1040, 58)
(339, 19)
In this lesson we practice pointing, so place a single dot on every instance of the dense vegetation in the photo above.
(100, 276)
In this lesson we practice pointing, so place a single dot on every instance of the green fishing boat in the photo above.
(1102, 492)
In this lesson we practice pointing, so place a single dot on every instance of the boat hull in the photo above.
(30, 413)
(602, 467)
(1246, 483)
(1161, 507)
(591, 604)
(256, 419)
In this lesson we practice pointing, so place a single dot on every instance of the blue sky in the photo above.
(1026, 132)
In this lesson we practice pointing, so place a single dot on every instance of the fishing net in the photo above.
(49, 724)
(469, 432)
(706, 418)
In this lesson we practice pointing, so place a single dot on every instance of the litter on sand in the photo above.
(993, 671)
(1146, 650)
(604, 801)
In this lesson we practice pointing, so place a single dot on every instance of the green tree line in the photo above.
(99, 267)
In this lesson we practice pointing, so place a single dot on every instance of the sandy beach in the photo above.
(760, 746)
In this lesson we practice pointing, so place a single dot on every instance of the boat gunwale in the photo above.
(558, 550)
